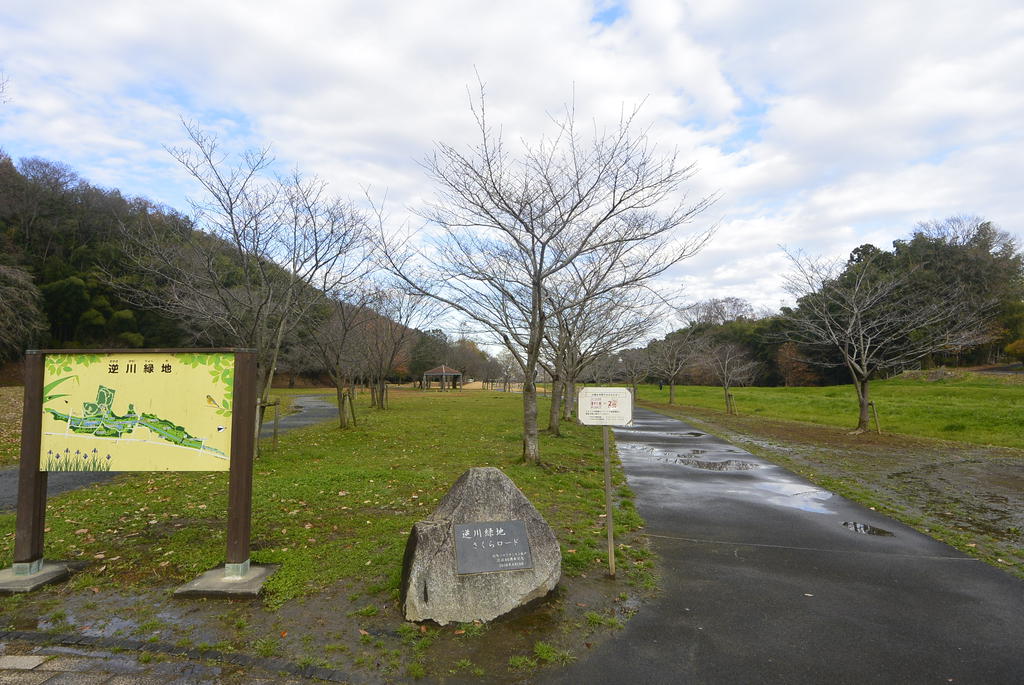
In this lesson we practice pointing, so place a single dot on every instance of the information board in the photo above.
(137, 411)
(605, 407)
(490, 546)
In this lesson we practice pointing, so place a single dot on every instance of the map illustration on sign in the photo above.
(137, 412)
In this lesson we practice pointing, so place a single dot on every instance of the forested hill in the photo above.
(59, 234)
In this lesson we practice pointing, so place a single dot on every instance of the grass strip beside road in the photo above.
(331, 504)
(982, 409)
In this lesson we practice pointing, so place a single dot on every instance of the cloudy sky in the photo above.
(823, 125)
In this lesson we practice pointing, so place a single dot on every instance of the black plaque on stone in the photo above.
(491, 546)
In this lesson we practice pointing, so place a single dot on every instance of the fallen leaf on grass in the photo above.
(363, 632)
(459, 632)
(284, 633)
(423, 629)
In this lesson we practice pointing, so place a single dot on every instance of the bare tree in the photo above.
(335, 342)
(873, 317)
(594, 329)
(263, 252)
(20, 311)
(729, 364)
(717, 311)
(388, 336)
(635, 366)
(510, 225)
(510, 370)
(671, 356)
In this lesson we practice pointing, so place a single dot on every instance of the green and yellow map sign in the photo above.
(134, 411)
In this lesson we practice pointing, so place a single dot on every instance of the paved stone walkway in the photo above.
(32, 665)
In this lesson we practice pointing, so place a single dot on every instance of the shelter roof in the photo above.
(442, 371)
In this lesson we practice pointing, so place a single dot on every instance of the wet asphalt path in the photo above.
(312, 409)
(763, 583)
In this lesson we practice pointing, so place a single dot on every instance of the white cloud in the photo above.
(824, 125)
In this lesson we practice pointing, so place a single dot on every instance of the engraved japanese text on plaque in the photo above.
(489, 546)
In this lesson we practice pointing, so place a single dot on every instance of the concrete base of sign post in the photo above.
(29, 577)
(227, 583)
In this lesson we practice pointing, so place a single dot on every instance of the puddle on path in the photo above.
(793, 494)
(725, 465)
(865, 529)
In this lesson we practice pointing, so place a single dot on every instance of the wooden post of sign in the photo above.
(608, 504)
(31, 516)
(29, 570)
(238, 578)
(606, 407)
(243, 417)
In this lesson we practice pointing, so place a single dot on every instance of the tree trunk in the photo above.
(554, 416)
(570, 398)
(352, 401)
(531, 443)
(633, 398)
(342, 416)
(863, 397)
(671, 392)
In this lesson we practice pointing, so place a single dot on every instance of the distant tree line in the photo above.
(952, 294)
(62, 258)
(86, 267)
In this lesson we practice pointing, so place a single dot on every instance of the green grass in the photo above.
(330, 504)
(549, 654)
(10, 425)
(966, 407)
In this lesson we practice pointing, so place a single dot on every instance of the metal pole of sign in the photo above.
(608, 504)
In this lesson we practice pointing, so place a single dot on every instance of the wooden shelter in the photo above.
(446, 377)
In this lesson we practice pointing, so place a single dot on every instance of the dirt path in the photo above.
(969, 496)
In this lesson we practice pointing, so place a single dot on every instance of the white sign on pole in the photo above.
(605, 407)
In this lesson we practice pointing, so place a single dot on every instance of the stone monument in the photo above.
(483, 552)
